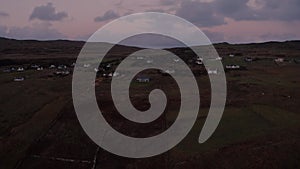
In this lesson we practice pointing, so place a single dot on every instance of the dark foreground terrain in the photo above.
(260, 127)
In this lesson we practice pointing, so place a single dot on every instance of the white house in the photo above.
(176, 60)
(113, 74)
(19, 79)
(143, 79)
(279, 60)
(40, 68)
(212, 72)
(198, 62)
(62, 73)
(52, 66)
(149, 61)
(218, 58)
(60, 67)
(169, 71)
(20, 69)
(248, 59)
(199, 58)
(34, 66)
(86, 65)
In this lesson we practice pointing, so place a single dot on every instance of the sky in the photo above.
(233, 21)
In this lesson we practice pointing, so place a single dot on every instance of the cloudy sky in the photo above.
(234, 21)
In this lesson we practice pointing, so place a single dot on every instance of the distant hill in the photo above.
(17, 49)
(265, 49)
(57, 49)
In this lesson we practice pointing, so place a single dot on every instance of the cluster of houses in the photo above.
(60, 70)
(104, 70)
(283, 60)
(13, 69)
(62, 73)
(33, 67)
(199, 61)
(234, 67)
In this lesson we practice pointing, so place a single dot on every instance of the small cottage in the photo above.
(248, 59)
(176, 60)
(113, 74)
(279, 60)
(143, 79)
(149, 61)
(34, 66)
(52, 66)
(86, 65)
(20, 69)
(199, 62)
(19, 79)
(40, 69)
(61, 67)
(218, 58)
(199, 58)
(214, 72)
(169, 71)
(62, 73)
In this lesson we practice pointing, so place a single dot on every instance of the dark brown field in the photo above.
(260, 127)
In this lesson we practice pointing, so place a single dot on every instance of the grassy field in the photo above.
(260, 124)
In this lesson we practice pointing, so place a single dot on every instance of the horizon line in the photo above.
(213, 43)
